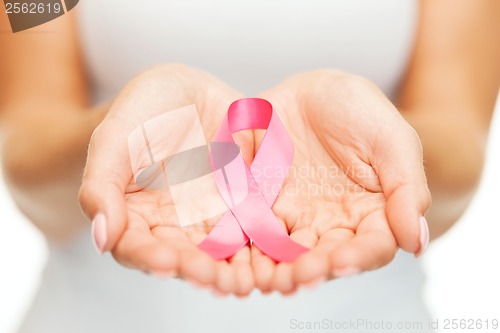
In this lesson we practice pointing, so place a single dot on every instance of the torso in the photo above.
(251, 45)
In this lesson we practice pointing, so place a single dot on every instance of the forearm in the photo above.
(43, 157)
(448, 95)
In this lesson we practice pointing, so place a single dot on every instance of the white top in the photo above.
(251, 45)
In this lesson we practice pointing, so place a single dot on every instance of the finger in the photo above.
(233, 276)
(398, 160)
(283, 278)
(138, 249)
(314, 266)
(263, 268)
(373, 247)
(406, 218)
(226, 280)
(226, 276)
(194, 265)
(102, 192)
(241, 263)
(197, 267)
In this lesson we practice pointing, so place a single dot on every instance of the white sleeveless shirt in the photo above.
(251, 45)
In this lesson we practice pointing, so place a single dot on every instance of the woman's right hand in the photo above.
(127, 222)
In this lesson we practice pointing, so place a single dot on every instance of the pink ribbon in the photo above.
(252, 216)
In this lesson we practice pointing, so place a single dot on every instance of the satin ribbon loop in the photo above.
(251, 192)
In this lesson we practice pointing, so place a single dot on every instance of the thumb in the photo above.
(399, 164)
(102, 194)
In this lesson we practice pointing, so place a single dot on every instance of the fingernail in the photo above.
(99, 232)
(424, 236)
(313, 283)
(346, 271)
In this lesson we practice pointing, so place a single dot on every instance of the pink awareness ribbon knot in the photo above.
(251, 218)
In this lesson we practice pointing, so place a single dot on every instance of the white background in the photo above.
(462, 266)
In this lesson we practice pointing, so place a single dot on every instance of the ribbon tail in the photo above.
(260, 224)
(225, 239)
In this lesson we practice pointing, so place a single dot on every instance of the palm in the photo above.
(153, 240)
(332, 201)
(318, 195)
(356, 190)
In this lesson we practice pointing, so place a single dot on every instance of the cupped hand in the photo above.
(134, 223)
(357, 190)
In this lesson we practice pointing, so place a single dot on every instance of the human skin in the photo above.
(372, 200)
(448, 95)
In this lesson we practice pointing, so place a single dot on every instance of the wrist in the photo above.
(46, 147)
(454, 151)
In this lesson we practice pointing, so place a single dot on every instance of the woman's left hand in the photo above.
(357, 190)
